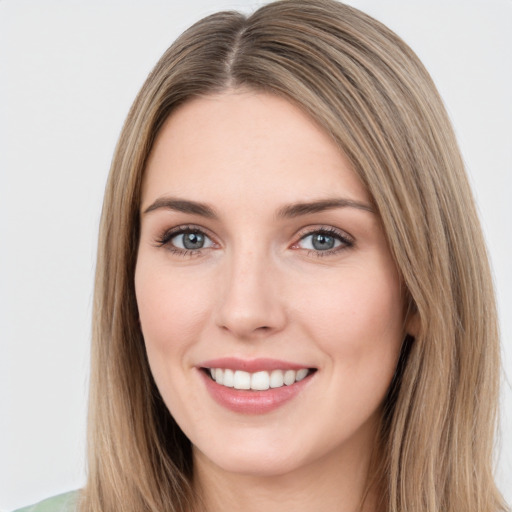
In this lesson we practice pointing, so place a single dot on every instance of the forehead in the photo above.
(247, 144)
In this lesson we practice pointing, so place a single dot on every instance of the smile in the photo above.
(257, 381)
(254, 386)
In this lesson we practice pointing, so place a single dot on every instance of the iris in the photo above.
(322, 242)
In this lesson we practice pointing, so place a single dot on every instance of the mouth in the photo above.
(259, 380)
(254, 386)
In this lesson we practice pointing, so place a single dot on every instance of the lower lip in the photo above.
(253, 402)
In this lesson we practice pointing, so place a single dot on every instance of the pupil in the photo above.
(193, 241)
(323, 242)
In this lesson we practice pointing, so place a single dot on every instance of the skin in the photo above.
(258, 288)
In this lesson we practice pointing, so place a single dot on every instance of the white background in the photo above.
(69, 71)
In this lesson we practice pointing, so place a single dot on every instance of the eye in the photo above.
(191, 240)
(326, 241)
(185, 240)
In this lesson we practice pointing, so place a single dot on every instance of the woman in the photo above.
(293, 303)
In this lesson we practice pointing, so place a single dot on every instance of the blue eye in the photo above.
(190, 240)
(185, 240)
(326, 241)
(320, 242)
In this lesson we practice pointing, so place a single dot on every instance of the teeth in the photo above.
(289, 377)
(276, 379)
(258, 381)
(242, 380)
(229, 378)
(301, 374)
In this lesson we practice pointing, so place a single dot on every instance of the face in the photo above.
(269, 302)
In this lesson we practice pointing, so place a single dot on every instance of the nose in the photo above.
(250, 303)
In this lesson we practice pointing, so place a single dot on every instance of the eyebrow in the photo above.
(287, 211)
(298, 209)
(182, 205)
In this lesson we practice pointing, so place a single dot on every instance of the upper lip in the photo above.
(251, 365)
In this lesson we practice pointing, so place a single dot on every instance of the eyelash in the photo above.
(346, 241)
(165, 240)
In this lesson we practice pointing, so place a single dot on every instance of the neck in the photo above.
(337, 482)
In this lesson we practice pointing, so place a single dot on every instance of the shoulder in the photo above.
(61, 503)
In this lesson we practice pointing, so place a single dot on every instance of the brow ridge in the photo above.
(288, 211)
(182, 205)
(306, 208)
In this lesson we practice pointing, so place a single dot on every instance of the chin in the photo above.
(249, 456)
(261, 459)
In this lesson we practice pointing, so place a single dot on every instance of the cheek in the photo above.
(360, 328)
(357, 320)
(171, 312)
(170, 308)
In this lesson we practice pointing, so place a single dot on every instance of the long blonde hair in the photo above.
(369, 91)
